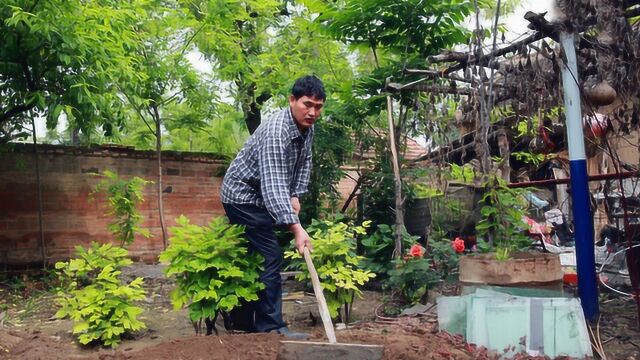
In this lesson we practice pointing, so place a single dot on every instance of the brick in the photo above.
(70, 219)
(171, 171)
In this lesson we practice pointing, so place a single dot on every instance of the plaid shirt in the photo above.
(273, 166)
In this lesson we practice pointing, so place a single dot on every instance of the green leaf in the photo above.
(80, 327)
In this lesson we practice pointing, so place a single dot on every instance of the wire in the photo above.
(605, 263)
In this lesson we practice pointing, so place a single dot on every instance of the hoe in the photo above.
(311, 350)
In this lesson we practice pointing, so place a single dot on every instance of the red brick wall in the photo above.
(71, 219)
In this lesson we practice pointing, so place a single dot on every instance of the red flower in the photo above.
(416, 250)
(458, 245)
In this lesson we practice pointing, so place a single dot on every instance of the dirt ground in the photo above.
(28, 329)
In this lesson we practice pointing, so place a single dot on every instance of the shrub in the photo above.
(378, 248)
(100, 305)
(412, 275)
(338, 266)
(444, 253)
(211, 267)
(502, 228)
(123, 197)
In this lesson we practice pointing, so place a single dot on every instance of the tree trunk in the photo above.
(75, 137)
(397, 181)
(156, 115)
(483, 152)
(43, 249)
(251, 107)
(253, 118)
(505, 153)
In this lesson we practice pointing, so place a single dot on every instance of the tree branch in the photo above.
(394, 87)
(484, 59)
(137, 110)
(15, 111)
(448, 56)
(434, 74)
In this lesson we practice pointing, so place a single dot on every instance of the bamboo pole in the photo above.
(156, 114)
(43, 250)
(397, 180)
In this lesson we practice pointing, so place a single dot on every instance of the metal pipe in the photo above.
(599, 177)
(583, 219)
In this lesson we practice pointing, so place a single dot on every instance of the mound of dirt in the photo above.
(245, 346)
(35, 346)
(408, 339)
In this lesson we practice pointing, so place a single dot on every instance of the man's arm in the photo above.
(295, 204)
(275, 188)
(274, 175)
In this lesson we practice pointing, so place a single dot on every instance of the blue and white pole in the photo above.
(583, 220)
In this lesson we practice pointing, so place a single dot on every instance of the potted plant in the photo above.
(503, 244)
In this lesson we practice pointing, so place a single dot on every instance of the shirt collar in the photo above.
(292, 128)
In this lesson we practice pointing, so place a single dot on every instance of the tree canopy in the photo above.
(64, 57)
(121, 69)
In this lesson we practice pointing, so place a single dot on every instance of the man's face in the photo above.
(306, 110)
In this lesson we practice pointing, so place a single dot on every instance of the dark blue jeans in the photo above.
(265, 314)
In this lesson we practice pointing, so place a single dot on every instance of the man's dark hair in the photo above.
(309, 86)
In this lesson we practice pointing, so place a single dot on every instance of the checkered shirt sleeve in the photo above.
(301, 178)
(274, 175)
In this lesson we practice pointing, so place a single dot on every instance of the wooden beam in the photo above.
(536, 22)
(502, 51)
(394, 87)
(435, 74)
(448, 56)
(397, 181)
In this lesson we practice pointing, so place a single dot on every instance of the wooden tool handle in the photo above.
(322, 303)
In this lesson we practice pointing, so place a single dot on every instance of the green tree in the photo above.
(260, 47)
(396, 35)
(65, 57)
(234, 36)
(168, 83)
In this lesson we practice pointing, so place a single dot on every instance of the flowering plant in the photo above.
(458, 245)
(378, 248)
(416, 250)
(413, 275)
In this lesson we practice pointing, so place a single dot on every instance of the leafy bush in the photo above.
(100, 305)
(462, 173)
(211, 267)
(412, 275)
(335, 259)
(440, 251)
(501, 228)
(378, 248)
(123, 198)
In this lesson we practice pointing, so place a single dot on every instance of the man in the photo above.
(261, 190)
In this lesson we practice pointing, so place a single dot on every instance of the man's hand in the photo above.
(302, 239)
(295, 203)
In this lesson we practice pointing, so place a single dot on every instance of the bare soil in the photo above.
(28, 329)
